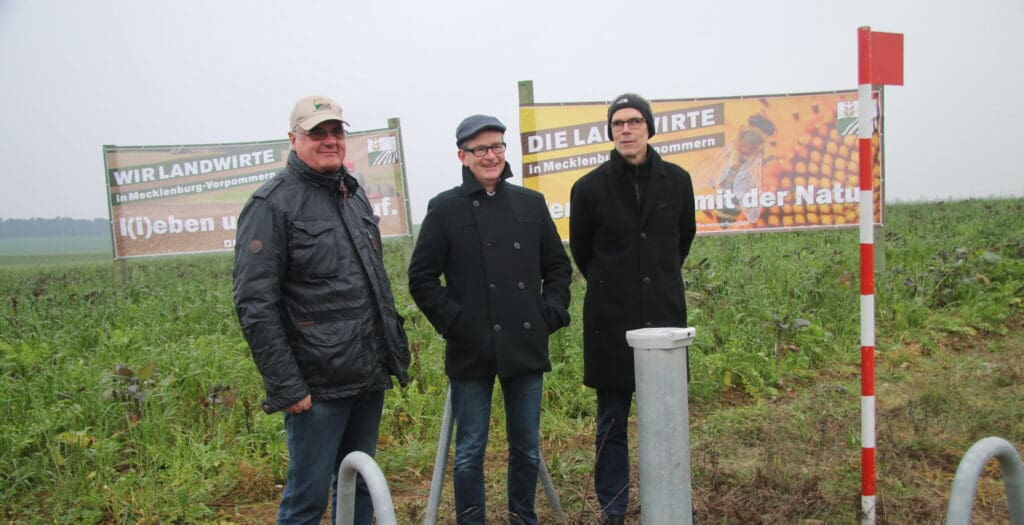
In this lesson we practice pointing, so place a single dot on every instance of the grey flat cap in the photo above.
(475, 124)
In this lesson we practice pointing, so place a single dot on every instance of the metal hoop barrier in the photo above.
(361, 463)
(965, 484)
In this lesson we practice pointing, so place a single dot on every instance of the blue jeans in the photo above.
(611, 466)
(471, 405)
(318, 439)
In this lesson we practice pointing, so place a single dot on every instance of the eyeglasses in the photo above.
(481, 151)
(321, 133)
(634, 123)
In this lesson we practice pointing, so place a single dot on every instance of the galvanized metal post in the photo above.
(663, 424)
(440, 461)
(549, 490)
(361, 463)
(965, 484)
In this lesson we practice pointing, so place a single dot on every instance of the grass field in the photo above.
(135, 400)
(35, 247)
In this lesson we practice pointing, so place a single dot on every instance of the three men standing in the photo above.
(315, 303)
(631, 227)
(506, 288)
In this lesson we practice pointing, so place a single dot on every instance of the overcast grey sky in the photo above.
(75, 75)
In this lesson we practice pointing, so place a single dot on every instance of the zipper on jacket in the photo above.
(636, 182)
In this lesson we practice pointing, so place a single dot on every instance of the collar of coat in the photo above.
(470, 184)
(324, 180)
(621, 164)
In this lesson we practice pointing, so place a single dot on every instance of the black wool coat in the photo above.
(506, 278)
(631, 255)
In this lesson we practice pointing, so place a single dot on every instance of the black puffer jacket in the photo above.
(308, 303)
(506, 278)
(631, 255)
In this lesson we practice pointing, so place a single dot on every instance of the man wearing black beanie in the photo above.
(631, 227)
(632, 100)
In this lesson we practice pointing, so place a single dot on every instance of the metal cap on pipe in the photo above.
(660, 338)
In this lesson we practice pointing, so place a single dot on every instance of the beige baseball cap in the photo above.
(311, 111)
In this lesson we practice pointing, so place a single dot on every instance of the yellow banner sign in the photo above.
(167, 200)
(761, 163)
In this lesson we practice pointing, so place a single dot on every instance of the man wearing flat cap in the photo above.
(316, 308)
(630, 230)
(506, 288)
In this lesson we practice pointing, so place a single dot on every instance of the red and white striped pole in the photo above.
(878, 64)
(865, 112)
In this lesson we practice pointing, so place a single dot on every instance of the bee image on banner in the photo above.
(738, 170)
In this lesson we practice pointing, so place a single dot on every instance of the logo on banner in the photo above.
(846, 117)
(382, 150)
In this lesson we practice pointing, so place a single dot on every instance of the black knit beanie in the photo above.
(632, 100)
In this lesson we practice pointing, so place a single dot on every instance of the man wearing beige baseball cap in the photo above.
(315, 305)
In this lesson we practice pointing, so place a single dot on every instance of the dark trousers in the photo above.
(471, 404)
(611, 466)
(318, 439)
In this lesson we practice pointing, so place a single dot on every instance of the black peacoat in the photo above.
(631, 256)
(506, 278)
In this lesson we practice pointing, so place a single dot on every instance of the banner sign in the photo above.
(761, 163)
(167, 200)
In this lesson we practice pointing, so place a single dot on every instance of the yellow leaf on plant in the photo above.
(77, 438)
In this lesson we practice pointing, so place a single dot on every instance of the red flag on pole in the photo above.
(881, 57)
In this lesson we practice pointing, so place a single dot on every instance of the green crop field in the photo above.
(130, 397)
(68, 245)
